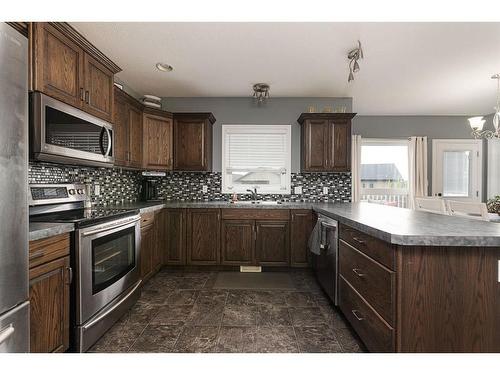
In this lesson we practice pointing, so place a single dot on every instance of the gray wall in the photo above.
(277, 111)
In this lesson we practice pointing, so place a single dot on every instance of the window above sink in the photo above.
(256, 156)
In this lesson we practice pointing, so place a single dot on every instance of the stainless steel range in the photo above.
(105, 256)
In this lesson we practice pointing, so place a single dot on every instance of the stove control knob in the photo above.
(80, 191)
(71, 191)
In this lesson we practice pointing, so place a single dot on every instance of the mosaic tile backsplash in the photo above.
(122, 186)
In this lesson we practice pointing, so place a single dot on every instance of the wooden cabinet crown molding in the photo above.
(157, 112)
(325, 116)
(197, 115)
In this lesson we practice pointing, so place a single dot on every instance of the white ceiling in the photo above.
(409, 68)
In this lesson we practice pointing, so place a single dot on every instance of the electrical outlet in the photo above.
(325, 190)
(97, 190)
(204, 189)
(297, 189)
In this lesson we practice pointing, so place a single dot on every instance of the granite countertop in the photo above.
(38, 231)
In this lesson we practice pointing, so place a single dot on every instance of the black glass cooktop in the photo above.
(84, 217)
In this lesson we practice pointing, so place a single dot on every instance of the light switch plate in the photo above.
(97, 190)
(297, 189)
(204, 188)
(325, 190)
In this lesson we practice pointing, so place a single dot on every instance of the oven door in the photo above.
(107, 262)
(62, 133)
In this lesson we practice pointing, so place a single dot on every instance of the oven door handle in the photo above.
(121, 224)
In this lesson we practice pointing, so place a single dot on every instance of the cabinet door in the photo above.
(339, 148)
(157, 152)
(300, 230)
(49, 306)
(157, 258)
(135, 137)
(175, 237)
(272, 247)
(98, 97)
(191, 145)
(58, 65)
(203, 236)
(148, 240)
(120, 128)
(315, 145)
(238, 242)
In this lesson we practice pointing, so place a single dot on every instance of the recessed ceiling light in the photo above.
(164, 67)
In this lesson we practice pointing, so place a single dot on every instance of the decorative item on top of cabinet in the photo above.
(203, 236)
(193, 141)
(301, 225)
(157, 139)
(128, 130)
(326, 142)
(50, 278)
(69, 68)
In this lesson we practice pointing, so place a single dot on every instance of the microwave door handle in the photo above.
(101, 139)
(109, 142)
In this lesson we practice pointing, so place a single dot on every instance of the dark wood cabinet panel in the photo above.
(135, 137)
(175, 237)
(326, 142)
(301, 226)
(58, 65)
(121, 130)
(193, 141)
(49, 306)
(148, 244)
(157, 151)
(238, 242)
(272, 246)
(98, 95)
(203, 236)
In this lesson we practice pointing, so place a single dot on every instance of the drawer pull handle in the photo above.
(358, 272)
(358, 240)
(355, 313)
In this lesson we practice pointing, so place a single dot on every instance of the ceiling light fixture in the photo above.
(353, 56)
(162, 67)
(261, 92)
(476, 123)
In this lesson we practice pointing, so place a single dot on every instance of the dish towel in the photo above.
(315, 238)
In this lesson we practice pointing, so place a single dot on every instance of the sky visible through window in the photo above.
(385, 154)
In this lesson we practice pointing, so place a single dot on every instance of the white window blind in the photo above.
(256, 156)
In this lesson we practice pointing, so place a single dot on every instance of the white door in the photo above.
(457, 168)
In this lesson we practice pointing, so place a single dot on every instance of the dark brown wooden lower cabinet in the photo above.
(148, 244)
(272, 246)
(238, 242)
(203, 236)
(174, 253)
(301, 226)
(49, 306)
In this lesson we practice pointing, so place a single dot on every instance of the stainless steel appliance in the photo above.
(149, 190)
(325, 257)
(14, 305)
(61, 133)
(105, 256)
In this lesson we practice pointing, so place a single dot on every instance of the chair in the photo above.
(428, 204)
(471, 210)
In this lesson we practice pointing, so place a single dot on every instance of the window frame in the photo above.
(248, 128)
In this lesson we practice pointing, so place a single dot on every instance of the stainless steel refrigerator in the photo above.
(14, 304)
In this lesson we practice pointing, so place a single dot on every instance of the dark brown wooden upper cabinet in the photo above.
(203, 236)
(67, 67)
(193, 141)
(271, 246)
(98, 95)
(238, 242)
(326, 142)
(157, 140)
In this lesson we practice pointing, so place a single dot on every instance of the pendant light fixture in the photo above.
(476, 123)
(353, 56)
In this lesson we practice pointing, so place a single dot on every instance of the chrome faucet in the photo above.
(254, 193)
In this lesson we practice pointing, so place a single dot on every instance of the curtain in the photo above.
(417, 169)
(356, 168)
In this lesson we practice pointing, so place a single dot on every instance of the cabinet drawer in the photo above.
(379, 250)
(48, 249)
(255, 214)
(376, 334)
(370, 279)
(147, 219)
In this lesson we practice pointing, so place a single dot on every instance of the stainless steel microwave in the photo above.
(64, 134)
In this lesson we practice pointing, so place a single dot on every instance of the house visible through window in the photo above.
(256, 156)
(384, 169)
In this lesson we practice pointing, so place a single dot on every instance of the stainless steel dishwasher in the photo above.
(325, 256)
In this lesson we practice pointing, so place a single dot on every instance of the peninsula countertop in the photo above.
(398, 226)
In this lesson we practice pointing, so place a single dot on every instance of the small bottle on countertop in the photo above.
(234, 199)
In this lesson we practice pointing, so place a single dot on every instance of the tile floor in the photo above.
(181, 312)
